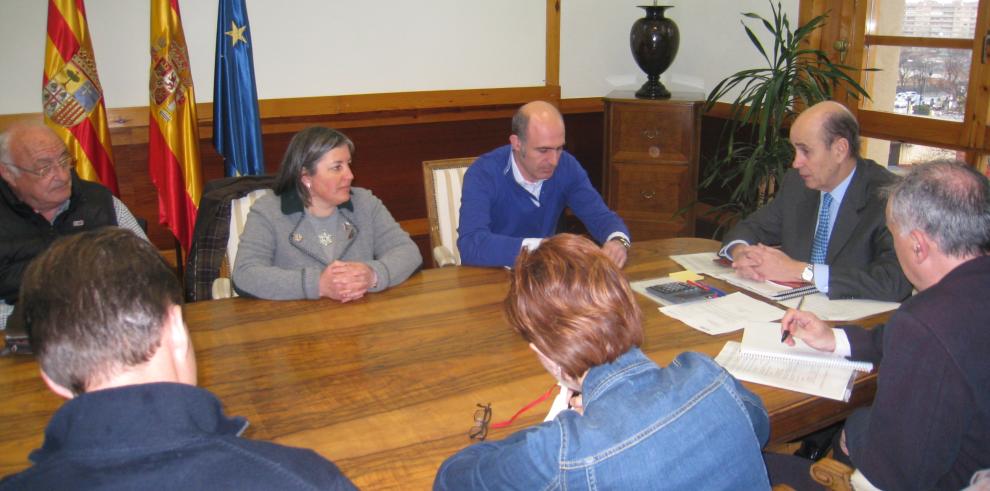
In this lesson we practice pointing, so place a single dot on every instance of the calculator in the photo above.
(679, 292)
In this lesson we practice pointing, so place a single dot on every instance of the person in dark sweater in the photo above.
(105, 315)
(929, 425)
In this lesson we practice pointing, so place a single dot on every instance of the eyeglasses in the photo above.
(65, 164)
(482, 416)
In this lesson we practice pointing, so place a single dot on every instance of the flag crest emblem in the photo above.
(73, 92)
(171, 75)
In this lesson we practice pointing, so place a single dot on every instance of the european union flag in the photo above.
(236, 126)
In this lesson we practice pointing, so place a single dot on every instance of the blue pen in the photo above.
(712, 288)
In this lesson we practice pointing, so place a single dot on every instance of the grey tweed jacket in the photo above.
(280, 258)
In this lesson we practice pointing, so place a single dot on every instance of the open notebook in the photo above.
(763, 339)
(822, 381)
(761, 358)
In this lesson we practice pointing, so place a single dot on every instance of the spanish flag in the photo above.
(72, 96)
(173, 140)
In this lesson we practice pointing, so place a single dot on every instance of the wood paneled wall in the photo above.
(390, 145)
(388, 160)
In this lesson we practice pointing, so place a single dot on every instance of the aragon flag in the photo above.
(173, 138)
(71, 94)
(236, 125)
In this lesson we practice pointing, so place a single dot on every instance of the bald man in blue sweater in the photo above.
(513, 196)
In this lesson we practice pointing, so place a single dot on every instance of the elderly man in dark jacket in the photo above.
(41, 199)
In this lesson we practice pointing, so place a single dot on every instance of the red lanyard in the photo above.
(527, 407)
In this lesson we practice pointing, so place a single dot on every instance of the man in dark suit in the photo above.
(827, 217)
(929, 425)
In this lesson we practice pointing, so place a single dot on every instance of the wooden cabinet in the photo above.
(651, 162)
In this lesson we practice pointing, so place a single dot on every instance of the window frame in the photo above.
(847, 21)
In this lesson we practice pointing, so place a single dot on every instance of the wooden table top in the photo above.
(386, 386)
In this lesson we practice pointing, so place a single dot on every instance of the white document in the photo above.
(840, 310)
(723, 314)
(702, 263)
(560, 403)
(765, 289)
(822, 381)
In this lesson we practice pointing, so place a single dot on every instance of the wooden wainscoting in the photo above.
(391, 141)
(388, 160)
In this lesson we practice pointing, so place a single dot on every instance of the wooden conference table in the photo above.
(386, 386)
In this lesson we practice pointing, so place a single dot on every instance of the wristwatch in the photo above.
(622, 240)
(808, 274)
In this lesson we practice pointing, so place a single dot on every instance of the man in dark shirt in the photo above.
(929, 425)
(41, 199)
(106, 320)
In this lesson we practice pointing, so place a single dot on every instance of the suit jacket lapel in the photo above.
(849, 210)
(303, 237)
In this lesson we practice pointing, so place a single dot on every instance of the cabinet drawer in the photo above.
(651, 134)
(652, 190)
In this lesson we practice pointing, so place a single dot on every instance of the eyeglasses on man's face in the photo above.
(45, 167)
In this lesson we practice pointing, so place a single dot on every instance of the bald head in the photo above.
(540, 111)
(835, 121)
(33, 157)
(21, 134)
(826, 145)
(537, 140)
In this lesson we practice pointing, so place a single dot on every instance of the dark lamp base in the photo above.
(653, 90)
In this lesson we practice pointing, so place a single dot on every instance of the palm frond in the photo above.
(764, 103)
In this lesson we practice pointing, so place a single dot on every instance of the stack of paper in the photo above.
(703, 263)
(766, 289)
(723, 314)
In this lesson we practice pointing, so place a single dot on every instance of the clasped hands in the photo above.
(345, 281)
(760, 263)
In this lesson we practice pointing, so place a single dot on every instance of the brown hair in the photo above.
(306, 149)
(571, 301)
(95, 303)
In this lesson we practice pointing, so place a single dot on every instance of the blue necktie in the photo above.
(820, 246)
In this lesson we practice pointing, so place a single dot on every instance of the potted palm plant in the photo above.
(752, 161)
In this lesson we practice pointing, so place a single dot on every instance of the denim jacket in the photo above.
(689, 425)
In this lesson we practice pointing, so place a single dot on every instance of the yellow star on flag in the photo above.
(236, 34)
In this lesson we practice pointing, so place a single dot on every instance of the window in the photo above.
(925, 97)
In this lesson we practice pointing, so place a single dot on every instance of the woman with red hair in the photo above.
(635, 425)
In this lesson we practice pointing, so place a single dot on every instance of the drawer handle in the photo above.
(648, 194)
(651, 134)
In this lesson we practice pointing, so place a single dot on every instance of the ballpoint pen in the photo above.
(707, 287)
(716, 290)
(783, 337)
